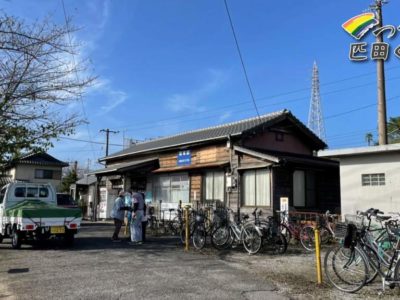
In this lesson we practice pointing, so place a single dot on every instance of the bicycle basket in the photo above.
(340, 230)
(356, 220)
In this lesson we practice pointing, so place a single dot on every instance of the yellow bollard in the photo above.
(187, 228)
(318, 256)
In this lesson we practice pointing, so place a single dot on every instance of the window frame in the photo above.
(307, 190)
(43, 172)
(242, 194)
(367, 179)
(204, 185)
(158, 187)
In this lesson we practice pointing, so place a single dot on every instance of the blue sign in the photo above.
(184, 158)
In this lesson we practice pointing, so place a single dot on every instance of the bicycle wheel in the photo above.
(325, 235)
(346, 268)
(277, 243)
(220, 237)
(374, 263)
(307, 238)
(199, 237)
(396, 274)
(252, 240)
(284, 229)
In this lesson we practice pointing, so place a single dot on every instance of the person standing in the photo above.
(137, 215)
(144, 219)
(118, 214)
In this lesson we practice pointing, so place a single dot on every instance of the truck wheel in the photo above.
(69, 239)
(16, 239)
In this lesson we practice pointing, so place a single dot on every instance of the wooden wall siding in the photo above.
(203, 155)
(195, 186)
(250, 161)
(292, 143)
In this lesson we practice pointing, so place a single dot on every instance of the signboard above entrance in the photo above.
(184, 158)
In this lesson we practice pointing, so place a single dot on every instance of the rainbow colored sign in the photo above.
(359, 25)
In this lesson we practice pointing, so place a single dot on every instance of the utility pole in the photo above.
(107, 131)
(380, 70)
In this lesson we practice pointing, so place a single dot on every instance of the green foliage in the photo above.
(393, 128)
(69, 179)
(369, 138)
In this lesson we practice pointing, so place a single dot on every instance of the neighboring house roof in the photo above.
(217, 133)
(360, 151)
(38, 159)
(87, 180)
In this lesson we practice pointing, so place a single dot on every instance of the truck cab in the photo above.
(29, 211)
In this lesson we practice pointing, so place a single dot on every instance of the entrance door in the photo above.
(138, 184)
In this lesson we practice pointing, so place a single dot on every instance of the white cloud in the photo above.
(225, 116)
(190, 101)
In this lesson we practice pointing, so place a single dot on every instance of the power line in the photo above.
(266, 98)
(87, 141)
(77, 77)
(358, 109)
(241, 60)
(262, 106)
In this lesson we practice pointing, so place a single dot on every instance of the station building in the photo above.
(251, 163)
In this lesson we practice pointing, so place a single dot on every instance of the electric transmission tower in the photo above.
(315, 119)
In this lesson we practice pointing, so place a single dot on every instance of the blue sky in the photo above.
(168, 66)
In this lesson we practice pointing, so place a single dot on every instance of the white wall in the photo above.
(355, 197)
(27, 172)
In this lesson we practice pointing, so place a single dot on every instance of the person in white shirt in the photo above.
(136, 220)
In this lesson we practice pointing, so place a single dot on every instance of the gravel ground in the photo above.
(96, 268)
(294, 274)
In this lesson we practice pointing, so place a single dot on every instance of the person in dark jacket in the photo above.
(118, 214)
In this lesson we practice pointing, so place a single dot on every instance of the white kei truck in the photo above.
(29, 211)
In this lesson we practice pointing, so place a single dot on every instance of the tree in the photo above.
(369, 138)
(394, 130)
(69, 179)
(38, 77)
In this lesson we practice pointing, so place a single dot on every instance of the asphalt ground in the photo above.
(97, 268)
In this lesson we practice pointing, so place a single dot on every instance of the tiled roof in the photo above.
(39, 159)
(87, 180)
(212, 133)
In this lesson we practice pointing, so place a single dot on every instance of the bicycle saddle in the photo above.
(171, 209)
(246, 216)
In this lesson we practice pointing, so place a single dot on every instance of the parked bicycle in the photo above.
(367, 252)
(326, 227)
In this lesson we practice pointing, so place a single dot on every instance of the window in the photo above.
(31, 192)
(43, 174)
(214, 186)
(172, 188)
(373, 179)
(255, 188)
(299, 195)
(304, 189)
(43, 192)
(19, 192)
